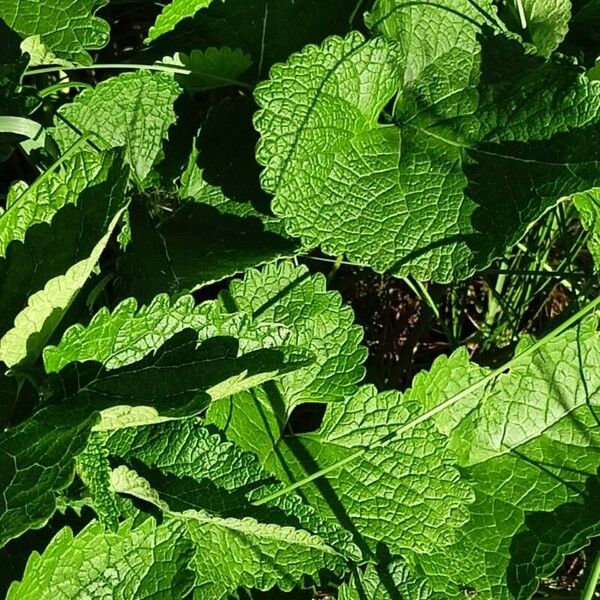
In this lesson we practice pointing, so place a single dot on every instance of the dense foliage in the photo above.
(162, 339)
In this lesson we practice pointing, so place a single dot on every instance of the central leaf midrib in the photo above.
(477, 149)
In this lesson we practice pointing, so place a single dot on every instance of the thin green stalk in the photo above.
(521, 12)
(539, 272)
(579, 243)
(546, 267)
(455, 314)
(562, 217)
(335, 268)
(116, 66)
(354, 13)
(465, 392)
(593, 578)
(423, 294)
(494, 294)
(508, 308)
(521, 294)
(566, 263)
(332, 261)
(135, 67)
(61, 85)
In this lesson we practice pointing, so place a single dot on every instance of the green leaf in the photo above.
(232, 553)
(511, 490)
(318, 321)
(93, 468)
(225, 477)
(15, 99)
(226, 147)
(12, 67)
(539, 463)
(188, 449)
(195, 245)
(34, 325)
(149, 561)
(540, 549)
(134, 110)
(268, 30)
(172, 13)
(374, 482)
(39, 202)
(547, 22)
(422, 190)
(129, 333)
(583, 38)
(432, 33)
(227, 554)
(532, 395)
(152, 560)
(42, 274)
(383, 581)
(15, 191)
(40, 54)
(211, 68)
(37, 460)
(67, 28)
(20, 126)
(178, 380)
(124, 480)
(195, 188)
(588, 207)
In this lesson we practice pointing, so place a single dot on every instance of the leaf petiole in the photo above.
(521, 11)
(593, 579)
(133, 67)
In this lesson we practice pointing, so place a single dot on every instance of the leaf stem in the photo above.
(335, 268)
(133, 67)
(444, 405)
(61, 85)
(592, 581)
(522, 16)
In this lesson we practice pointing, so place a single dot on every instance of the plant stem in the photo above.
(540, 272)
(335, 268)
(522, 16)
(588, 308)
(592, 581)
(61, 85)
(134, 67)
(494, 294)
(421, 291)
(124, 66)
(333, 261)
